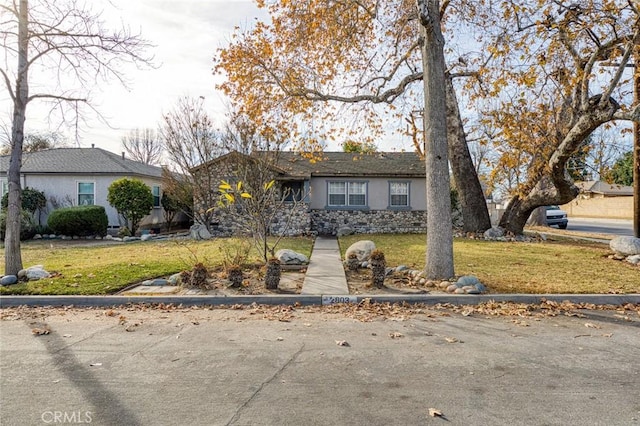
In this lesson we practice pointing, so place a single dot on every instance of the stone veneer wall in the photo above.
(328, 222)
(304, 221)
(224, 224)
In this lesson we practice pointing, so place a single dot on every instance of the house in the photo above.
(601, 200)
(382, 192)
(81, 176)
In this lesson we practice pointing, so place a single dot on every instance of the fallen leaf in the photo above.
(452, 340)
(342, 343)
(95, 364)
(40, 331)
(396, 335)
(279, 339)
(433, 412)
(591, 325)
(66, 335)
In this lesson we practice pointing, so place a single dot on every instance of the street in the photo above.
(601, 226)
(378, 365)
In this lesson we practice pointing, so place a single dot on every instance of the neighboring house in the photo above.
(82, 176)
(383, 192)
(601, 199)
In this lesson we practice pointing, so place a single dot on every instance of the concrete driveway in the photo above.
(317, 366)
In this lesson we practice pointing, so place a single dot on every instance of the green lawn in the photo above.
(108, 268)
(547, 267)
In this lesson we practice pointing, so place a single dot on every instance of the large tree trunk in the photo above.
(13, 258)
(556, 186)
(439, 229)
(475, 213)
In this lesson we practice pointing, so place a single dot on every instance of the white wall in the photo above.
(64, 187)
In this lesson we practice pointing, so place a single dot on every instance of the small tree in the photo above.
(132, 199)
(622, 171)
(170, 208)
(32, 201)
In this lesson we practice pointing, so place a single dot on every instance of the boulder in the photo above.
(36, 272)
(8, 280)
(199, 232)
(635, 259)
(468, 280)
(146, 237)
(626, 246)
(361, 249)
(494, 232)
(290, 257)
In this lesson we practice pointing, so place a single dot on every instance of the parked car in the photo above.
(557, 217)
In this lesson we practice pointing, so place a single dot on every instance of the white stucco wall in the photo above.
(64, 188)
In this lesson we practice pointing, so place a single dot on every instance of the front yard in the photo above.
(536, 267)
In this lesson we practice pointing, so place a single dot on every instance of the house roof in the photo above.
(81, 161)
(600, 187)
(344, 164)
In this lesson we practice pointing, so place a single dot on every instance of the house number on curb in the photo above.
(332, 300)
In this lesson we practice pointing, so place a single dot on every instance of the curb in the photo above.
(107, 301)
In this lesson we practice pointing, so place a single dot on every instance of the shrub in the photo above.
(133, 200)
(79, 220)
(27, 227)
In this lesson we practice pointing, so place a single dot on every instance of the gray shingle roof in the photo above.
(605, 188)
(81, 161)
(379, 164)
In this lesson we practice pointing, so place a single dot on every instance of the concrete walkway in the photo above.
(325, 274)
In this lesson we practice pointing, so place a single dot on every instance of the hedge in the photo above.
(79, 220)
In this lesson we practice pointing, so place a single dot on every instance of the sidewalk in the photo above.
(325, 274)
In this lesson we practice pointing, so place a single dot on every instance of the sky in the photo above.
(186, 34)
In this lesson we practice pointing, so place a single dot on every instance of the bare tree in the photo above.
(71, 45)
(143, 145)
(34, 142)
(191, 142)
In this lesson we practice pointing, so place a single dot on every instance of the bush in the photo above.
(132, 199)
(27, 228)
(79, 220)
(32, 200)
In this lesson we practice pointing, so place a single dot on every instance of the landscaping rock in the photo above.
(452, 287)
(199, 232)
(361, 249)
(402, 268)
(290, 257)
(35, 273)
(8, 280)
(467, 280)
(635, 259)
(493, 233)
(37, 237)
(156, 282)
(146, 237)
(129, 239)
(481, 287)
(175, 279)
(626, 246)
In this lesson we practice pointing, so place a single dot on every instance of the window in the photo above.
(156, 196)
(86, 195)
(399, 194)
(352, 194)
(4, 187)
(293, 191)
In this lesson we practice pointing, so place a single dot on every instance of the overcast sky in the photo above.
(186, 34)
